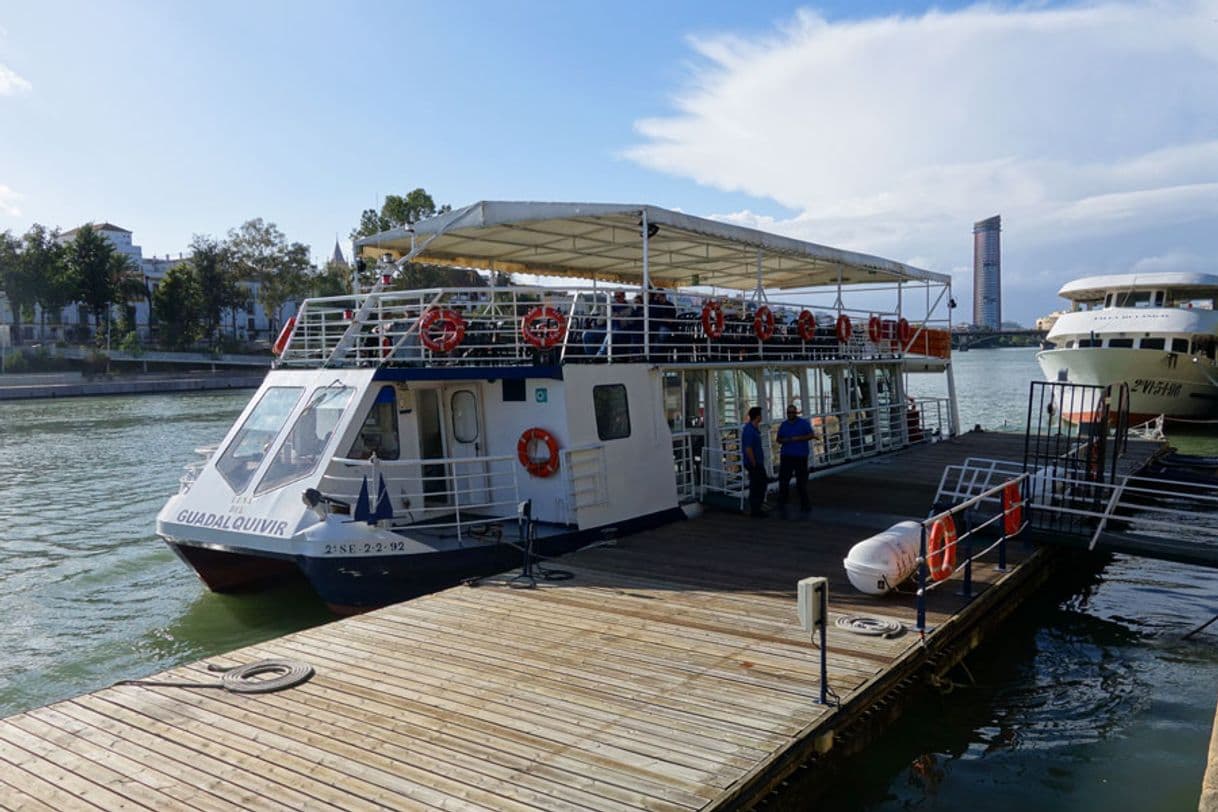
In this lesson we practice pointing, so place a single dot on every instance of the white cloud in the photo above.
(8, 201)
(11, 83)
(1091, 129)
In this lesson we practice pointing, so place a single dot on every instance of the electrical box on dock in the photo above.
(813, 598)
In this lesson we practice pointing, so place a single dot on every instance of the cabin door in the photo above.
(466, 445)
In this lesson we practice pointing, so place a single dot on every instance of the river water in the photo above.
(1090, 701)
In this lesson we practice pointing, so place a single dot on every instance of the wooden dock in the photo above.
(669, 673)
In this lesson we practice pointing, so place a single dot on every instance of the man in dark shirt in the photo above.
(794, 434)
(754, 462)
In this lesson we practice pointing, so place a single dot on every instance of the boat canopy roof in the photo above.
(1092, 288)
(604, 241)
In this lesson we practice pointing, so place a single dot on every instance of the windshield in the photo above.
(304, 446)
(245, 453)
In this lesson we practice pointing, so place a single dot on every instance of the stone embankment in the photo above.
(73, 384)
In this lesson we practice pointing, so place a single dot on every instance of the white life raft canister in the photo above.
(877, 564)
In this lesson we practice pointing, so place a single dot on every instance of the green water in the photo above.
(1089, 701)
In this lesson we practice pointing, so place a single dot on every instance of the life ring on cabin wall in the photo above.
(763, 323)
(451, 330)
(844, 329)
(904, 332)
(806, 325)
(941, 548)
(875, 329)
(543, 327)
(713, 320)
(538, 467)
(286, 333)
(1012, 509)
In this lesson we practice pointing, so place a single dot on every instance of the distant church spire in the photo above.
(338, 258)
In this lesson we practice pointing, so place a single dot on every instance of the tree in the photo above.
(332, 280)
(45, 262)
(13, 279)
(98, 272)
(259, 252)
(398, 211)
(216, 284)
(176, 303)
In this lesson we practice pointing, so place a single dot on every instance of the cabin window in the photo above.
(1070, 344)
(1086, 342)
(303, 448)
(249, 446)
(1179, 345)
(1133, 298)
(1158, 298)
(379, 433)
(1120, 342)
(612, 411)
(1152, 343)
(464, 405)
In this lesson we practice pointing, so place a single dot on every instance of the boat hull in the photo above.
(1160, 383)
(350, 584)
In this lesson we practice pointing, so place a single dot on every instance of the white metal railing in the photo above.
(193, 469)
(457, 493)
(487, 326)
(687, 460)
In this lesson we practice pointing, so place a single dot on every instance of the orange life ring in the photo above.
(904, 332)
(543, 336)
(1012, 509)
(763, 323)
(713, 320)
(451, 329)
(538, 467)
(806, 324)
(941, 548)
(844, 329)
(875, 329)
(286, 333)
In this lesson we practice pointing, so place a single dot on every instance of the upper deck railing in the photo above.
(526, 325)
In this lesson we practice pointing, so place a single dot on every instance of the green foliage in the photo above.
(16, 362)
(333, 280)
(131, 343)
(176, 303)
(416, 275)
(46, 262)
(216, 281)
(100, 275)
(259, 251)
(398, 211)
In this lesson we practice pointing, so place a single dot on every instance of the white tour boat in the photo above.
(407, 439)
(1154, 331)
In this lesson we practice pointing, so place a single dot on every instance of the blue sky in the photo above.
(884, 127)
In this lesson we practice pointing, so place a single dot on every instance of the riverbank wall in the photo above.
(67, 385)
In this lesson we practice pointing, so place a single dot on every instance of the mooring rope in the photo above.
(870, 626)
(243, 679)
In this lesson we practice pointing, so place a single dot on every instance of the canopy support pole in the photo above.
(646, 288)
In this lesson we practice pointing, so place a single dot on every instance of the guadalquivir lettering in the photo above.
(249, 524)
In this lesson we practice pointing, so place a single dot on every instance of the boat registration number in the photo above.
(1149, 386)
(364, 548)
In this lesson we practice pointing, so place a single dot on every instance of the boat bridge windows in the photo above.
(244, 455)
(379, 433)
(306, 443)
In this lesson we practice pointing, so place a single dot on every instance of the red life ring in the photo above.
(451, 329)
(875, 330)
(763, 323)
(844, 329)
(1012, 509)
(712, 319)
(537, 330)
(284, 335)
(538, 467)
(941, 548)
(904, 332)
(806, 324)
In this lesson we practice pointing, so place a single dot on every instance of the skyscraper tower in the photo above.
(987, 273)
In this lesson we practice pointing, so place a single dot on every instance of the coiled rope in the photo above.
(244, 679)
(870, 626)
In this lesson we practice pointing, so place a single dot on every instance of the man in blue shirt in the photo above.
(754, 462)
(794, 435)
